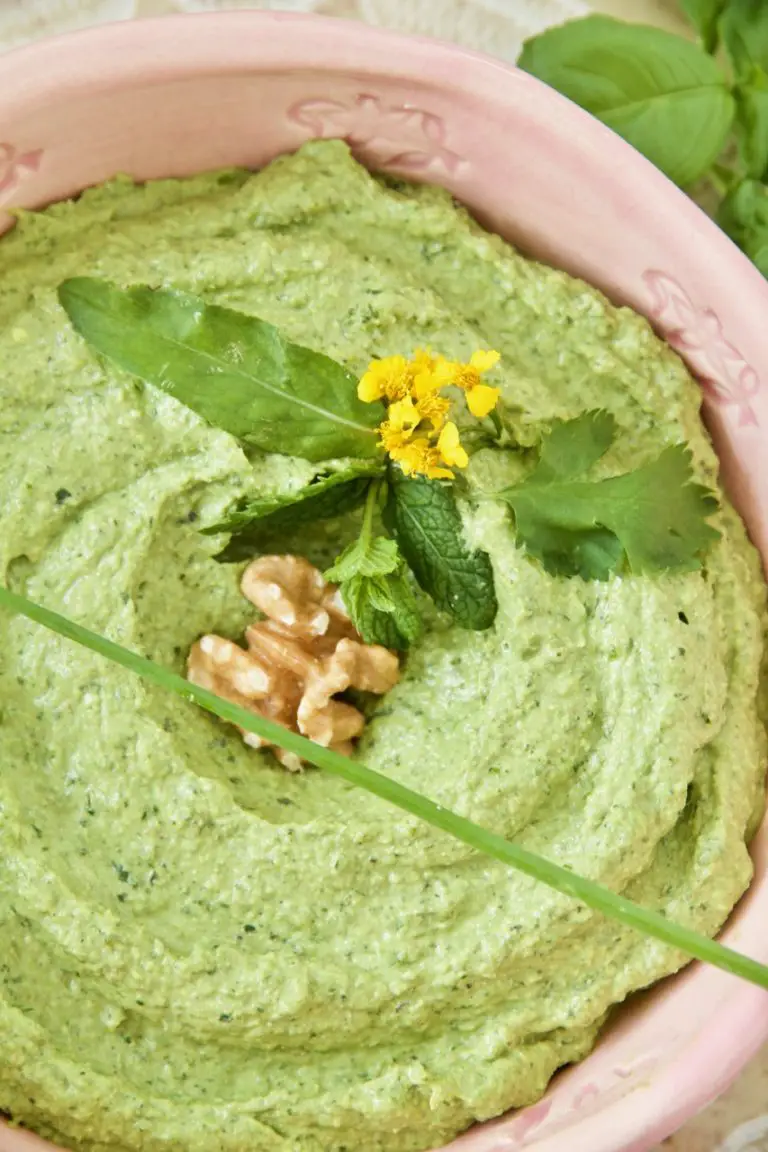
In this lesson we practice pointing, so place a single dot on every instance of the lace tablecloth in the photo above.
(738, 1122)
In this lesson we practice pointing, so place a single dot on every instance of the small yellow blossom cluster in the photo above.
(417, 432)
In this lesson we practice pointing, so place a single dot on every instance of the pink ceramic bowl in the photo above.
(175, 96)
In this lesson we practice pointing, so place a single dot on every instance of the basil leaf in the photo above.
(236, 371)
(383, 609)
(752, 123)
(743, 214)
(704, 15)
(664, 95)
(424, 519)
(744, 31)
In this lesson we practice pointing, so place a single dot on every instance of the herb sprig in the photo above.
(238, 372)
(653, 518)
(373, 580)
(698, 111)
(402, 449)
(426, 522)
(590, 893)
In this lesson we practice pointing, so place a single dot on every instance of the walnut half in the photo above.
(298, 659)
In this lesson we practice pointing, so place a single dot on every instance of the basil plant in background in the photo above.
(697, 110)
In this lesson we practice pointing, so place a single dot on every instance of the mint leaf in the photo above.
(383, 609)
(743, 214)
(424, 519)
(236, 371)
(254, 521)
(653, 519)
(327, 496)
(664, 95)
(704, 15)
(374, 585)
(376, 557)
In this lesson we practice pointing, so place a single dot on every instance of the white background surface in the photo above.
(738, 1122)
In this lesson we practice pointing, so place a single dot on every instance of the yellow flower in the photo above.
(423, 360)
(435, 409)
(484, 361)
(481, 398)
(420, 456)
(449, 447)
(392, 439)
(416, 432)
(389, 379)
(404, 414)
(424, 382)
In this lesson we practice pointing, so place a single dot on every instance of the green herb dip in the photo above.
(199, 951)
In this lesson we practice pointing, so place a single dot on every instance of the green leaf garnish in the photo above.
(374, 586)
(325, 498)
(424, 519)
(236, 371)
(663, 94)
(367, 556)
(654, 518)
(590, 893)
(384, 609)
(573, 446)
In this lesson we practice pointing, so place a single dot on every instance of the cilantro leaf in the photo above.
(238, 372)
(653, 519)
(573, 446)
(663, 94)
(424, 519)
(375, 587)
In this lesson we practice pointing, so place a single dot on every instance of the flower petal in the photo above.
(388, 378)
(369, 388)
(482, 399)
(393, 439)
(434, 409)
(449, 446)
(404, 414)
(435, 472)
(483, 361)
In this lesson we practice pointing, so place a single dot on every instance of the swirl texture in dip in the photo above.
(200, 951)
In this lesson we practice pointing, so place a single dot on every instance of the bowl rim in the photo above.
(116, 54)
